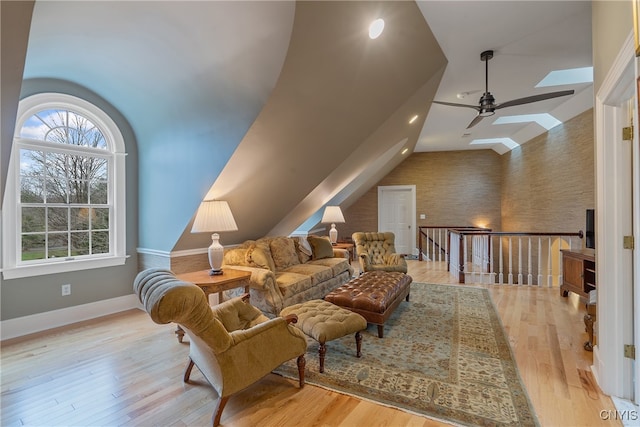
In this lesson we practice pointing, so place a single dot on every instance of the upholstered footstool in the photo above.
(374, 295)
(324, 322)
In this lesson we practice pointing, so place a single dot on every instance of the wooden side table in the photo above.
(229, 279)
(348, 246)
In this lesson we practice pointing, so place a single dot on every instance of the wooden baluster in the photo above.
(549, 275)
(492, 273)
(539, 261)
(501, 275)
(463, 257)
(510, 276)
(519, 260)
(529, 266)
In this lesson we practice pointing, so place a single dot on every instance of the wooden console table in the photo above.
(578, 272)
(229, 279)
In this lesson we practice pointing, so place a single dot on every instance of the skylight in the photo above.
(507, 142)
(545, 120)
(567, 77)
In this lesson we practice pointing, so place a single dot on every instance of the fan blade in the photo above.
(475, 121)
(535, 98)
(453, 104)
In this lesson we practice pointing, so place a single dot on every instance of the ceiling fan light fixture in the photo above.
(376, 28)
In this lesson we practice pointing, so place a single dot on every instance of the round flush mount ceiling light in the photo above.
(376, 27)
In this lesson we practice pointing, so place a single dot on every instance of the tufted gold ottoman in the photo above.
(324, 322)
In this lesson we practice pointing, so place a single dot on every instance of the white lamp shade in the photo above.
(214, 215)
(332, 214)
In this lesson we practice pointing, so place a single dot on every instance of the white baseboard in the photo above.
(26, 325)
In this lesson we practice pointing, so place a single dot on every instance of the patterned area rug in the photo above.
(444, 355)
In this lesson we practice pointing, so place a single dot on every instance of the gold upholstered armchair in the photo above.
(233, 344)
(377, 252)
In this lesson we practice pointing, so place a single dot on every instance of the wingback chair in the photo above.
(377, 252)
(233, 344)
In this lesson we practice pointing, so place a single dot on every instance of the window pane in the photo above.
(100, 218)
(58, 219)
(100, 242)
(58, 245)
(79, 191)
(80, 243)
(57, 173)
(33, 220)
(99, 169)
(98, 193)
(79, 218)
(32, 247)
(31, 176)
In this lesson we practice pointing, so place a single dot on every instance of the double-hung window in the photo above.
(65, 205)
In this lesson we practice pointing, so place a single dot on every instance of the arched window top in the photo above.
(66, 119)
(63, 126)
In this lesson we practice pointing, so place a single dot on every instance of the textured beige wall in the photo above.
(452, 188)
(545, 185)
(549, 182)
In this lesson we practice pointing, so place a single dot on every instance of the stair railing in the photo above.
(483, 256)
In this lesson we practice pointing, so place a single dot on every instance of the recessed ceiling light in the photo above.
(545, 120)
(567, 77)
(413, 119)
(376, 27)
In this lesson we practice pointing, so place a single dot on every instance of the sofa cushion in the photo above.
(292, 283)
(318, 273)
(337, 265)
(321, 247)
(260, 256)
(283, 252)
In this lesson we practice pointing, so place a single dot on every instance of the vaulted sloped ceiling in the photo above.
(278, 107)
(342, 101)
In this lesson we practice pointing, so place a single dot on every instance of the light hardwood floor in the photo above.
(126, 370)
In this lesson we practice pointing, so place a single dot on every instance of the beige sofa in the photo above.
(289, 270)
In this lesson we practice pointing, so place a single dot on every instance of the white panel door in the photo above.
(396, 213)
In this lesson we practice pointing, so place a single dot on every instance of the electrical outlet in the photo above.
(66, 290)
(423, 216)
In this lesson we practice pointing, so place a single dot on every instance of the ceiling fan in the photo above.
(488, 106)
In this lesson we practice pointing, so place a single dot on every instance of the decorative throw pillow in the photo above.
(321, 247)
(283, 252)
(235, 256)
(260, 256)
(304, 254)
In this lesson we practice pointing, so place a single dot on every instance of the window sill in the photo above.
(61, 267)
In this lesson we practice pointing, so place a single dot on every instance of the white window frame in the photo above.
(13, 268)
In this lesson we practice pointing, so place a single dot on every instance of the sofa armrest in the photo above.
(341, 253)
(365, 262)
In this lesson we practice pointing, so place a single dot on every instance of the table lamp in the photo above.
(333, 214)
(214, 216)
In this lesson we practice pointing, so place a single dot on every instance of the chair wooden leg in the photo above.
(380, 331)
(187, 372)
(321, 352)
(301, 365)
(217, 411)
(358, 344)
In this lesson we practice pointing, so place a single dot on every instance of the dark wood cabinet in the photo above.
(578, 272)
